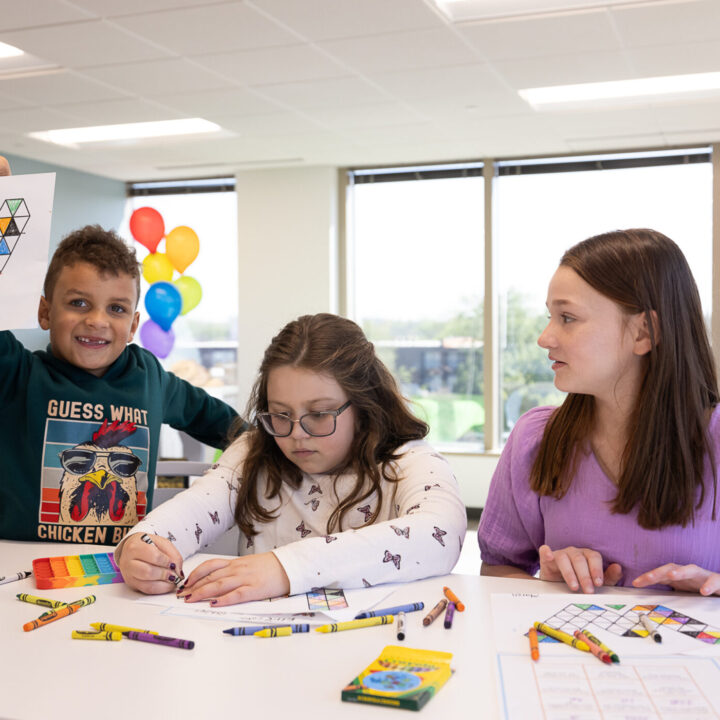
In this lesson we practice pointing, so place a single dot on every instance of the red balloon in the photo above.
(147, 227)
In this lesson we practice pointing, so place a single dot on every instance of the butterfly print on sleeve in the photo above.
(427, 487)
(198, 533)
(394, 559)
(314, 504)
(366, 511)
(301, 529)
(438, 535)
(250, 543)
(366, 583)
(171, 537)
(330, 538)
(315, 489)
(215, 517)
(405, 532)
(412, 509)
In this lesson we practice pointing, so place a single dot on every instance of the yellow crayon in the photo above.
(40, 601)
(120, 628)
(53, 615)
(563, 637)
(274, 632)
(353, 624)
(92, 635)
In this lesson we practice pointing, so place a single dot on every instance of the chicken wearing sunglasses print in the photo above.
(98, 486)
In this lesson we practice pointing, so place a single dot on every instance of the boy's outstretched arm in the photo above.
(4, 166)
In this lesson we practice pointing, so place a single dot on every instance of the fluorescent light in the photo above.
(128, 131)
(625, 90)
(9, 50)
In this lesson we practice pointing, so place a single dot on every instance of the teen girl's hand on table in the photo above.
(4, 166)
(151, 567)
(579, 568)
(688, 578)
(226, 581)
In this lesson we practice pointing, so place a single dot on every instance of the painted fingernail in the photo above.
(213, 602)
(172, 566)
(172, 578)
(187, 597)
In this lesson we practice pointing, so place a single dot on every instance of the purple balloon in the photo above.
(156, 340)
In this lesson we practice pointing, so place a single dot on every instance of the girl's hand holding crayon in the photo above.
(150, 563)
(226, 581)
(688, 578)
(579, 568)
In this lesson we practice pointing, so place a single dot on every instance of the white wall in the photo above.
(287, 255)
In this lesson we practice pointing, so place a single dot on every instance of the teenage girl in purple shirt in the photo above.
(618, 485)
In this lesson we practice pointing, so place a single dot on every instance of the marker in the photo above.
(40, 601)
(120, 628)
(602, 645)
(596, 650)
(274, 632)
(410, 607)
(534, 649)
(652, 632)
(401, 625)
(92, 635)
(354, 624)
(449, 615)
(161, 640)
(54, 615)
(562, 636)
(435, 612)
(252, 629)
(453, 598)
(12, 578)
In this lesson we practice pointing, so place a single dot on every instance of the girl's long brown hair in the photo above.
(662, 465)
(333, 346)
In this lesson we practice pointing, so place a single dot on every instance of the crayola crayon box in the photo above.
(401, 677)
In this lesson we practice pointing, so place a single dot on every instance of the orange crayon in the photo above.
(595, 649)
(452, 597)
(534, 649)
(54, 615)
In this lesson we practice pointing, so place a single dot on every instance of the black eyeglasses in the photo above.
(317, 424)
(80, 461)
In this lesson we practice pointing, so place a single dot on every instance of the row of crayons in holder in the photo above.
(584, 640)
(370, 618)
(100, 631)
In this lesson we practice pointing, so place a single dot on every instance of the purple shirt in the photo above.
(516, 521)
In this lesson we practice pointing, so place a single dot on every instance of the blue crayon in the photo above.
(252, 629)
(411, 607)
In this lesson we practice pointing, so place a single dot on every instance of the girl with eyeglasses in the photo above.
(334, 486)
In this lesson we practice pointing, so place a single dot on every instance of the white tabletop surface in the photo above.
(45, 674)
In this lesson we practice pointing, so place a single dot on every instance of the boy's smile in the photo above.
(91, 316)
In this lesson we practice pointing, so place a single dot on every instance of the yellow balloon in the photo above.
(157, 268)
(182, 246)
(190, 292)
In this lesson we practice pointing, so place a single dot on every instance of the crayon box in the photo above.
(401, 677)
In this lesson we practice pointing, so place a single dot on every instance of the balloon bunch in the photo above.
(165, 298)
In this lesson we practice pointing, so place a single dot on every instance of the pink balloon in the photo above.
(156, 340)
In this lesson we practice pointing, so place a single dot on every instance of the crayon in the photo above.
(401, 625)
(160, 640)
(453, 598)
(449, 615)
(534, 649)
(561, 636)
(252, 629)
(274, 632)
(652, 632)
(613, 656)
(596, 650)
(410, 607)
(120, 628)
(92, 635)
(353, 624)
(435, 612)
(40, 601)
(54, 615)
(12, 578)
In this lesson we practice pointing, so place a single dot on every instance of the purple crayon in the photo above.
(449, 614)
(161, 640)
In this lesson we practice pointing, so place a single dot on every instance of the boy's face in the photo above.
(91, 316)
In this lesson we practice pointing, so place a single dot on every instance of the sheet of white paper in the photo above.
(25, 213)
(688, 624)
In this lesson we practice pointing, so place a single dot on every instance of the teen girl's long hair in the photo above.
(336, 347)
(662, 465)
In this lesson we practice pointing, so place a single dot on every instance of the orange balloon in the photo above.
(147, 227)
(182, 247)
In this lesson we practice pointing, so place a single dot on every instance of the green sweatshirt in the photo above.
(79, 452)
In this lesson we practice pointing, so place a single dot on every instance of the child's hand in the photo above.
(689, 578)
(4, 166)
(150, 567)
(226, 581)
(580, 568)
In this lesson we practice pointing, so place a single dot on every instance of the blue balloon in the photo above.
(163, 303)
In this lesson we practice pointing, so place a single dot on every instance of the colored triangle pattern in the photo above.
(14, 216)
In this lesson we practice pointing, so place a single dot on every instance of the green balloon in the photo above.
(190, 292)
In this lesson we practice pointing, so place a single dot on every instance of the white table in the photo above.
(45, 674)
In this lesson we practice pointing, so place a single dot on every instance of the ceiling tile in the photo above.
(59, 88)
(228, 101)
(266, 125)
(232, 26)
(344, 91)
(359, 116)
(112, 112)
(27, 120)
(18, 15)
(676, 59)
(113, 8)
